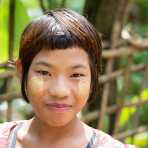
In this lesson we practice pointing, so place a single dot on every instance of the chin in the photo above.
(59, 122)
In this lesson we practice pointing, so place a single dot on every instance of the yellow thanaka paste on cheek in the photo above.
(36, 85)
(84, 88)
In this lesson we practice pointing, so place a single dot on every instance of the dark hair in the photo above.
(61, 29)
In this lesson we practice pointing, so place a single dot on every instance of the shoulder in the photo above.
(5, 129)
(104, 140)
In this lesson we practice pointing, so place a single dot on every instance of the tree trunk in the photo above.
(90, 9)
(108, 16)
(102, 14)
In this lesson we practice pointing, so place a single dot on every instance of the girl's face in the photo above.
(58, 84)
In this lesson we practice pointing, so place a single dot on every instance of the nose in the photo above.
(59, 88)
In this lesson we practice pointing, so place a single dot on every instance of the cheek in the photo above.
(83, 90)
(35, 87)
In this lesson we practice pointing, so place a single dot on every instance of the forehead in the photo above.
(64, 57)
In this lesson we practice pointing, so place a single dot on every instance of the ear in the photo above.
(18, 65)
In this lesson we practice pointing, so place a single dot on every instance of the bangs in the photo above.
(53, 40)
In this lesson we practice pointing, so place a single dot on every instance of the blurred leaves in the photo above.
(4, 7)
(21, 20)
(129, 112)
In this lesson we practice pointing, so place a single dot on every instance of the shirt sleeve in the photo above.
(5, 129)
(106, 141)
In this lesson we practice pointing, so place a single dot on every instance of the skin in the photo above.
(58, 87)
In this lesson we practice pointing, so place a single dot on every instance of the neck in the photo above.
(48, 132)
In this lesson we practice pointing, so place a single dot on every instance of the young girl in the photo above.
(59, 64)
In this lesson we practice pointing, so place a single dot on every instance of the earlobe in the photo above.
(18, 66)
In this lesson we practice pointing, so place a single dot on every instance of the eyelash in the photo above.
(77, 75)
(45, 73)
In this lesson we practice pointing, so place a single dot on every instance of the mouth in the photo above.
(58, 107)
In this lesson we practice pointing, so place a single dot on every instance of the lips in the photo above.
(59, 107)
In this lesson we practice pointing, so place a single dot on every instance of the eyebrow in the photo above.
(50, 65)
(43, 63)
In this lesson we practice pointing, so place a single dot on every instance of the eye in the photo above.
(43, 72)
(77, 75)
